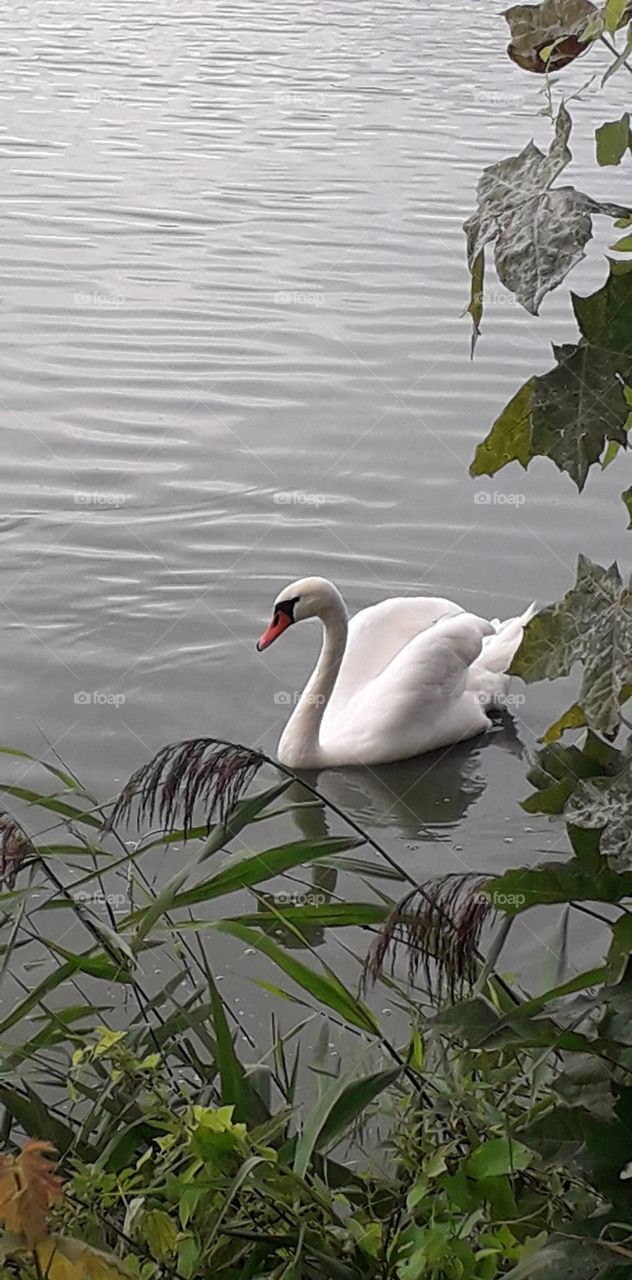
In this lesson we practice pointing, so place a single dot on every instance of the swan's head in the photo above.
(305, 598)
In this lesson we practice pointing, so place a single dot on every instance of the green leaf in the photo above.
(127, 1141)
(591, 625)
(327, 989)
(613, 139)
(362, 867)
(355, 1097)
(247, 869)
(94, 965)
(36, 1118)
(620, 948)
(230, 1068)
(615, 14)
(238, 1181)
(63, 777)
(510, 439)
(160, 1231)
(52, 803)
(497, 1157)
(573, 718)
(570, 413)
(557, 882)
(539, 231)
(343, 1100)
(475, 308)
(331, 915)
(245, 812)
(605, 804)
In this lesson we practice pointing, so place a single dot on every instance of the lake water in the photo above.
(234, 352)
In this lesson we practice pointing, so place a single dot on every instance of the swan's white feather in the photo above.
(416, 674)
(419, 702)
(377, 634)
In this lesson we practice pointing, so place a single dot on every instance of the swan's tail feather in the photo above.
(488, 675)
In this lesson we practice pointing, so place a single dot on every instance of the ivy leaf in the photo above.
(547, 36)
(591, 625)
(613, 140)
(570, 413)
(605, 804)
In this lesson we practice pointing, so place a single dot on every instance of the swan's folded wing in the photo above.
(377, 634)
(435, 664)
(419, 702)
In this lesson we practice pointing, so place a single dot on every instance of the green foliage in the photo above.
(591, 625)
(458, 1194)
(613, 140)
(538, 231)
(489, 1135)
(571, 413)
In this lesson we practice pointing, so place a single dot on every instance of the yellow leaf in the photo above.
(160, 1232)
(28, 1186)
(64, 1258)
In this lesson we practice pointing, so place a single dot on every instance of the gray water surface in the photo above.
(234, 352)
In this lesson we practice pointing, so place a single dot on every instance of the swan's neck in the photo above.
(299, 746)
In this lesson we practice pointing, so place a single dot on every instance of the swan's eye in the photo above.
(286, 607)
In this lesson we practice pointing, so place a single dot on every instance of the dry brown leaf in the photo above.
(15, 846)
(28, 1186)
(556, 25)
(64, 1258)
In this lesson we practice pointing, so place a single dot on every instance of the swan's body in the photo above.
(401, 678)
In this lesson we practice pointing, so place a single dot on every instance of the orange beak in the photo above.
(280, 623)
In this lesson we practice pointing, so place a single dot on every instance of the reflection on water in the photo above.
(422, 800)
(417, 798)
(234, 353)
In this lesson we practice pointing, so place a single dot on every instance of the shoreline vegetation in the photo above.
(485, 1131)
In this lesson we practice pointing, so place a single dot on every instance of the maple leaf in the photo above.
(591, 625)
(28, 1187)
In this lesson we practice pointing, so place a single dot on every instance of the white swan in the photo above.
(402, 677)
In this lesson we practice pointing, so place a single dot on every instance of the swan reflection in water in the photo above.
(424, 800)
(413, 798)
